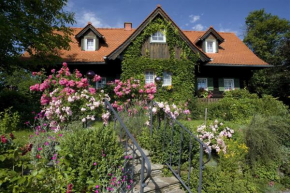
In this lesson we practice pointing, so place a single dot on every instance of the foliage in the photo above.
(268, 36)
(265, 34)
(265, 137)
(41, 30)
(241, 105)
(8, 121)
(14, 92)
(273, 81)
(135, 65)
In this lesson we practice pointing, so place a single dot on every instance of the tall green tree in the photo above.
(35, 26)
(268, 36)
(265, 35)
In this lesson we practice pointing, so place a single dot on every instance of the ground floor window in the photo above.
(102, 83)
(202, 83)
(229, 84)
(149, 77)
(167, 79)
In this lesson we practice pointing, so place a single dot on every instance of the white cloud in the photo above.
(198, 27)
(194, 18)
(87, 16)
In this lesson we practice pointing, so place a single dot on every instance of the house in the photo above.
(224, 61)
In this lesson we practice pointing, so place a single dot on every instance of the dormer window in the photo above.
(210, 46)
(90, 46)
(158, 37)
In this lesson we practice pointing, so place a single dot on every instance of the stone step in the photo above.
(160, 184)
(156, 170)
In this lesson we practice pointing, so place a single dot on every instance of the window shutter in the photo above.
(217, 46)
(204, 46)
(237, 83)
(83, 46)
(221, 84)
(210, 83)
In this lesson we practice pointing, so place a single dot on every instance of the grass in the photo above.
(22, 136)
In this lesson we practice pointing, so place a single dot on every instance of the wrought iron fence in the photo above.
(132, 152)
(179, 147)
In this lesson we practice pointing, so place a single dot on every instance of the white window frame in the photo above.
(206, 83)
(149, 77)
(232, 84)
(101, 83)
(158, 33)
(86, 44)
(169, 80)
(213, 46)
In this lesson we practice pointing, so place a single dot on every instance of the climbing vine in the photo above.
(182, 69)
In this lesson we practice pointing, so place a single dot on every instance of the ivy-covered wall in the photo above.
(182, 69)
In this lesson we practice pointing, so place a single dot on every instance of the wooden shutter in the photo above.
(83, 46)
(221, 84)
(210, 83)
(237, 83)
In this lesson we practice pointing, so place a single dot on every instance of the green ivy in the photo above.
(183, 69)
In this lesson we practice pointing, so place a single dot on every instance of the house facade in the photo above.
(220, 61)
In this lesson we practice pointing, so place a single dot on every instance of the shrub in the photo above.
(241, 105)
(265, 137)
(8, 121)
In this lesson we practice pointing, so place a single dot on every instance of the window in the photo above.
(158, 37)
(166, 79)
(149, 77)
(210, 46)
(202, 83)
(90, 46)
(102, 83)
(229, 84)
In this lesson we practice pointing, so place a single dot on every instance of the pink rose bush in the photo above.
(67, 97)
(214, 136)
(172, 110)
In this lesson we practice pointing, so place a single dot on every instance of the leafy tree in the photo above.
(265, 36)
(35, 26)
(268, 36)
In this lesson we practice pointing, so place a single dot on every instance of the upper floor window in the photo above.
(167, 80)
(158, 37)
(149, 77)
(90, 44)
(202, 83)
(210, 46)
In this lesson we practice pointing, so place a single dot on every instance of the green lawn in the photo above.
(22, 136)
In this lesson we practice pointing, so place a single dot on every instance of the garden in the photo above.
(69, 143)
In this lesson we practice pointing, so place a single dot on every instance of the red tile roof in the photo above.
(231, 52)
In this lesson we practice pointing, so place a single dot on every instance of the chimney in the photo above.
(128, 26)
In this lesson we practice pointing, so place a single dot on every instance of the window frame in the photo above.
(232, 84)
(206, 83)
(158, 41)
(153, 74)
(86, 44)
(170, 78)
(101, 83)
(213, 46)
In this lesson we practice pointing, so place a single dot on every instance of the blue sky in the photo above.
(223, 15)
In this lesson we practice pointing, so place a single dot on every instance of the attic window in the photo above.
(90, 45)
(158, 37)
(210, 46)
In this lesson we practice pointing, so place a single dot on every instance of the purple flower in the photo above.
(128, 187)
(95, 163)
(97, 186)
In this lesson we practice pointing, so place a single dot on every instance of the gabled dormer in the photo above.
(210, 41)
(89, 38)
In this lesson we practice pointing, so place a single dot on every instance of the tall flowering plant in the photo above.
(67, 97)
(214, 136)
